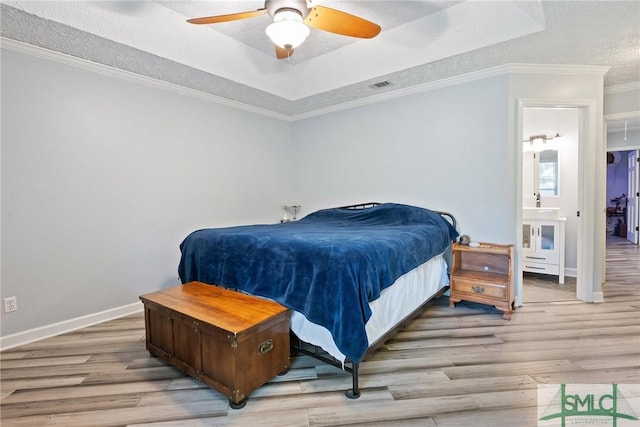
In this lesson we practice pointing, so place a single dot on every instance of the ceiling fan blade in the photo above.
(282, 53)
(226, 18)
(338, 22)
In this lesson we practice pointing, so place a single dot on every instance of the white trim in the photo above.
(571, 272)
(438, 84)
(85, 64)
(622, 116)
(622, 88)
(36, 334)
(589, 272)
(559, 69)
(624, 147)
(519, 120)
(598, 297)
(463, 78)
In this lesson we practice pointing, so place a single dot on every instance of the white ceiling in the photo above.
(420, 42)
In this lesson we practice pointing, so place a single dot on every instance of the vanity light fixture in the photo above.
(625, 130)
(539, 142)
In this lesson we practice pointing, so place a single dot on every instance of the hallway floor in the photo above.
(622, 268)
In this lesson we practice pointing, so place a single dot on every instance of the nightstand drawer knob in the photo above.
(477, 289)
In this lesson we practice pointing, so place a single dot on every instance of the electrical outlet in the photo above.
(10, 304)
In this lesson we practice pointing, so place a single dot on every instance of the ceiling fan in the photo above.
(292, 19)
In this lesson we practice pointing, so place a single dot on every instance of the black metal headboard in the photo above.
(360, 205)
(366, 205)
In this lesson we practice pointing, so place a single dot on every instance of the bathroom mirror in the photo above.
(539, 174)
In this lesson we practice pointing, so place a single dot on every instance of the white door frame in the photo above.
(633, 185)
(591, 196)
(615, 117)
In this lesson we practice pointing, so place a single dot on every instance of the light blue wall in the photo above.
(102, 179)
(444, 149)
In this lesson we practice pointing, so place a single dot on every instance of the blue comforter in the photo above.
(328, 266)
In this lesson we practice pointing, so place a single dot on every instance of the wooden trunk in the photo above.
(231, 341)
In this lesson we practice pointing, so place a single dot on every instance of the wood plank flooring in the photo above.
(450, 367)
(622, 261)
(622, 266)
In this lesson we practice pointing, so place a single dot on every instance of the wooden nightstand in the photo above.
(483, 274)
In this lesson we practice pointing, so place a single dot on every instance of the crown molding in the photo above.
(499, 70)
(437, 84)
(622, 88)
(516, 68)
(560, 69)
(622, 116)
(84, 64)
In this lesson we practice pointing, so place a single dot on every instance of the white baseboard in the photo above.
(37, 334)
(571, 272)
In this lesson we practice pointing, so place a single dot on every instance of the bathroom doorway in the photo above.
(549, 252)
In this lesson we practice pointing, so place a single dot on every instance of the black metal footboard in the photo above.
(318, 353)
(352, 367)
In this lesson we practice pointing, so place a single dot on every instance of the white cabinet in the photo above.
(543, 246)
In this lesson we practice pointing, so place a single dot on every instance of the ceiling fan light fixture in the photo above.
(288, 31)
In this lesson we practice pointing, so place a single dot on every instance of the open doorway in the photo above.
(623, 178)
(623, 182)
(622, 198)
(549, 202)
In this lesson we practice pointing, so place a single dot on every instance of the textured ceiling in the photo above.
(420, 42)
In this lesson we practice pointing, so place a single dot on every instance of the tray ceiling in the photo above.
(420, 42)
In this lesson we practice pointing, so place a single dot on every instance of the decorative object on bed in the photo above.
(329, 266)
(464, 240)
(290, 213)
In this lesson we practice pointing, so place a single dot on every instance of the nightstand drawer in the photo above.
(492, 290)
(536, 267)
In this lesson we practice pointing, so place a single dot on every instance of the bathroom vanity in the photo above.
(543, 241)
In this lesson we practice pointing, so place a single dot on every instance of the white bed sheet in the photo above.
(408, 293)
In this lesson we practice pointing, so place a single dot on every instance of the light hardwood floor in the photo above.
(622, 266)
(450, 367)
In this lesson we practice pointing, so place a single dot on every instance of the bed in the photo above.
(351, 275)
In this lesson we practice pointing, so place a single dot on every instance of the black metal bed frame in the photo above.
(350, 366)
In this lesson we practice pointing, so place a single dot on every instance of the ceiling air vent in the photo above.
(380, 85)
